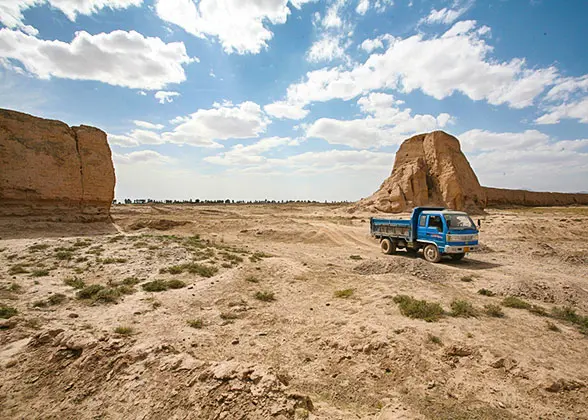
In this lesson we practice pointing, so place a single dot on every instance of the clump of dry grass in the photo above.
(195, 323)
(345, 293)
(265, 296)
(463, 309)
(420, 309)
(124, 330)
(494, 311)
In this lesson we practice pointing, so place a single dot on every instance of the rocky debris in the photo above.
(157, 224)
(565, 385)
(458, 350)
(504, 362)
(560, 294)
(429, 169)
(54, 171)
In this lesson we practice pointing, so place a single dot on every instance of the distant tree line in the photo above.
(197, 201)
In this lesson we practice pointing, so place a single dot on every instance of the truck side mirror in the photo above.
(479, 223)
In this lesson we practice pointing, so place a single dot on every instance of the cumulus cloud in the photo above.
(385, 124)
(444, 15)
(122, 140)
(362, 6)
(164, 96)
(250, 154)
(370, 45)
(531, 155)
(574, 110)
(148, 125)
(282, 109)
(11, 10)
(566, 86)
(457, 61)
(240, 26)
(118, 58)
(141, 157)
(226, 121)
(327, 48)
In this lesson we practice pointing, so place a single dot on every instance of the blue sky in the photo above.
(305, 99)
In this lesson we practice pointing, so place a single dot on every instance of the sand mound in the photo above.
(401, 265)
(157, 224)
(555, 293)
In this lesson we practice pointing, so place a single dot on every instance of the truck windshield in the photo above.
(458, 221)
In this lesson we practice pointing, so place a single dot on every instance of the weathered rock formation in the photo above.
(54, 171)
(430, 169)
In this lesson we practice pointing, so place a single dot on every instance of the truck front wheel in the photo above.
(457, 257)
(387, 246)
(432, 253)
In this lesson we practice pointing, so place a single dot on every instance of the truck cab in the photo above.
(437, 231)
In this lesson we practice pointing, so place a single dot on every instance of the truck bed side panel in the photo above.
(390, 228)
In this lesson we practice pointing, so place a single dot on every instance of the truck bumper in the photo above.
(458, 249)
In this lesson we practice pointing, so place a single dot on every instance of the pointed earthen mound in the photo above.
(430, 169)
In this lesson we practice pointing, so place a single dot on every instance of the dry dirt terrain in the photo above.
(291, 312)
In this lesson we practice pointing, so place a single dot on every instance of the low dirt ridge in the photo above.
(225, 318)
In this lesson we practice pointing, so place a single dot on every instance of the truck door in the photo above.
(434, 231)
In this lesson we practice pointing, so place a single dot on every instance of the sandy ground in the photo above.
(213, 350)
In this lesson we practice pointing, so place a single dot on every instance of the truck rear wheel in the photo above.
(387, 246)
(432, 253)
(457, 257)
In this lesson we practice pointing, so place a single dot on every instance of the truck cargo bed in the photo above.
(391, 227)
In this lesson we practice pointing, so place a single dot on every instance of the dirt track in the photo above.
(308, 353)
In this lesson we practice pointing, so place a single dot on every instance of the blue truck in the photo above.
(435, 230)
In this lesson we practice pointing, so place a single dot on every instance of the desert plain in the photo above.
(290, 311)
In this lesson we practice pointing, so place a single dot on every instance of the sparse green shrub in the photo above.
(420, 309)
(494, 311)
(515, 302)
(567, 313)
(234, 259)
(115, 238)
(227, 316)
(155, 286)
(89, 292)
(355, 257)
(192, 268)
(40, 273)
(538, 310)
(175, 284)
(107, 295)
(434, 339)
(38, 247)
(64, 255)
(130, 281)
(463, 309)
(113, 260)
(81, 259)
(123, 330)
(252, 279)
(552, 327)
(345, 293)
(258, 256)
(265, 296)
(52, 300)
(486, 292)
(14, 288)
(125, 290)
(74, 282)
(7, 311)
(18, 269)
(226, 265)
(467, 279)
(195, 323)
(82, 243)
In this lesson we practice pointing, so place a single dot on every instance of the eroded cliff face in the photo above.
(54, 171)
(429, 169)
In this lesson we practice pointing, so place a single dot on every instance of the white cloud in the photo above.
(566, 86)
(142, 93)
(362, 7)
(141, 157)
(440, 66)
(521, 160)
(332, 18)
(385, 125)
(444, 15)
(251, 154)
(148, 125)
(370, 45)
(282, 109)
(327, 48)
(222, 122)
(122, 141)
(118, 58)
(573, 110)
(240, 26)
(164, 96)
(12, 17)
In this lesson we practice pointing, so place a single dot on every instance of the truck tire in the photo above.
(432, 253)
(387, 246)
(457, 257)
